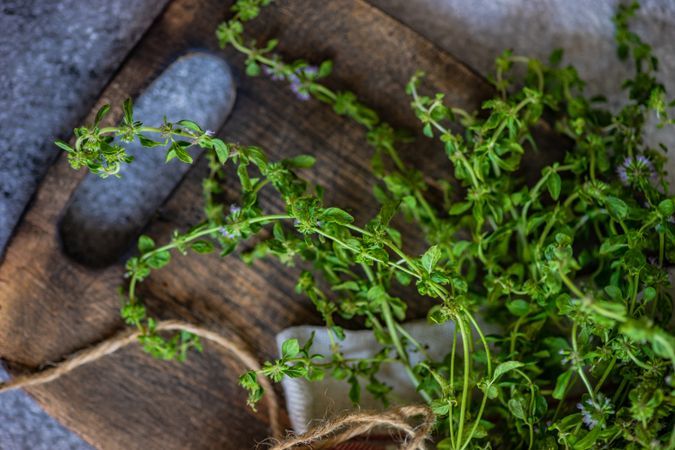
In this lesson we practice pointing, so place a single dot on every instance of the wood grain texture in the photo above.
(51, 306)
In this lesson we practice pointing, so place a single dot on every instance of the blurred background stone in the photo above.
(477, 31)
(56, 57)
(25, 426)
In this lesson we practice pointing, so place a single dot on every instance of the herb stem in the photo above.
(403, 355)
(578, 365)
(465, 387)
(488, 358)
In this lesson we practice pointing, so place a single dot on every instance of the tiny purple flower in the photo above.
(643, 160)
(310, 70)
(297, 81)
(273, 74)
(301, 93)
(587, 415)
(235, 209)
(635, 169)
(623, 175)
(595, 413)
(294, 79)
(228, 234)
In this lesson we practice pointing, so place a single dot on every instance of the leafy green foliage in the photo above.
(572, 266)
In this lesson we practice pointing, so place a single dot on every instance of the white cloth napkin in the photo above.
(310, 401)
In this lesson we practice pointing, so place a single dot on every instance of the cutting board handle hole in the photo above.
(105, 216)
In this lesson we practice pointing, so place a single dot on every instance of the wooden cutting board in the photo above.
(51, 306)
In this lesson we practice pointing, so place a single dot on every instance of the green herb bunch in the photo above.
(573, 266)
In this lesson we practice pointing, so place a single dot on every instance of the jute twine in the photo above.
(333, 432)
(328, 434)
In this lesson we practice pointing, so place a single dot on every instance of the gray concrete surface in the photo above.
(25, 426)
(56, 54)
(55, 57)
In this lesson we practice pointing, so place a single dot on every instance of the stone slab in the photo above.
(55, 57)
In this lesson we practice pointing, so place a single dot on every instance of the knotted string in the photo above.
(325, 435)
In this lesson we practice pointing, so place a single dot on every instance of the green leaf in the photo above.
(170, 154)
(278, 232)
(147, 142)
(221, 149)
(459, 208)
(667, 208)
(336, 215)
(588, 441)
(252, 69)
(145, 244)
(446, 444)
(348, 286)
(63, 146)
(554, 184)
(190, 125)
(249, 381)
(181, 153)
(612, 244)
(300, 161)
(202, 246)
(616, 207)
(295, 371)
(354, 390)
(561, 384)
(518, 307)
(431, 258)
(506, 367)
(325, 69)
(440, 407)
(128, 109)
(649, 294)
(101, 114)
(662, 342)
(428, 132)
(290, 348)
(315, 373)
(437, 315)
(613, 292)
(555, 57)
(159, 259)
(490, 390)
(339, 332)
(516, 408)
